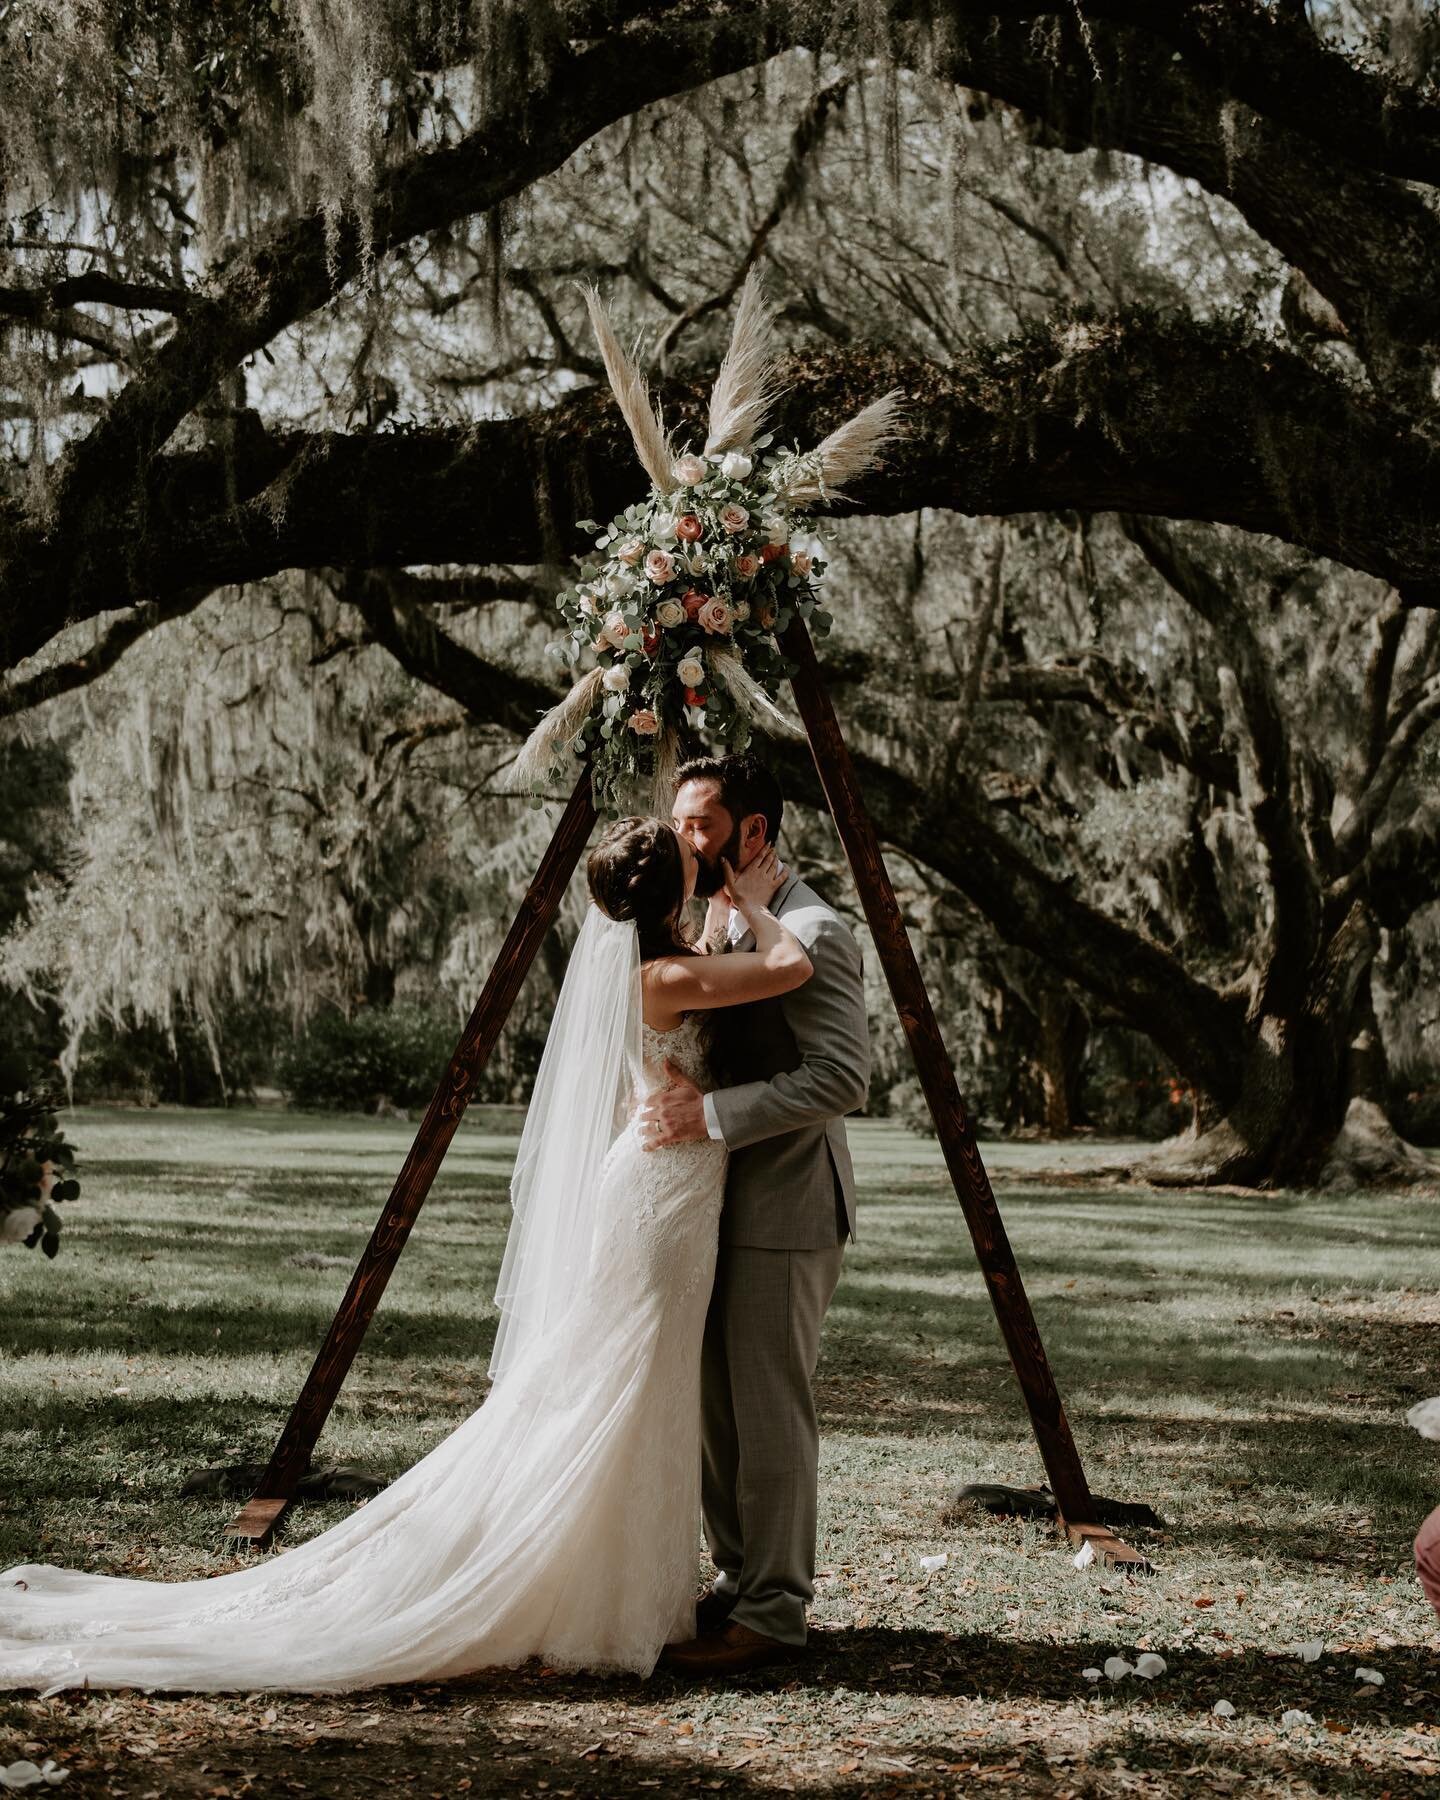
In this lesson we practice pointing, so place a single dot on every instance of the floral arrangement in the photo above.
(36, 1165)
(687, 590)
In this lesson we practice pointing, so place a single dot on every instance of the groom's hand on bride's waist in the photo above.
(673, 1114)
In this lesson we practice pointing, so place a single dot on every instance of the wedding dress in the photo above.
(561, 1520)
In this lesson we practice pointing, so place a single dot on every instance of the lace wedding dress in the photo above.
(561, 1520)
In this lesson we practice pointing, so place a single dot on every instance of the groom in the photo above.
(798, 1064)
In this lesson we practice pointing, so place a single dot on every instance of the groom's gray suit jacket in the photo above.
(794, 1066)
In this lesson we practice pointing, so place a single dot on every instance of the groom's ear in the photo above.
(753, 831)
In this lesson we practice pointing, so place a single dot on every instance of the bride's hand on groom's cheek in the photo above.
(674, 1114)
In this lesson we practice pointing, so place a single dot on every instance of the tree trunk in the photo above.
(1310, 1107)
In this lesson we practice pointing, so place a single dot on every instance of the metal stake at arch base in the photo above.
(258, 1519)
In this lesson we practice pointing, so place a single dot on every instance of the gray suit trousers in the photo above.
(760, 1435)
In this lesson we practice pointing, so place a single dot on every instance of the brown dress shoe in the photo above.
(733, 1650)
(712, 1610)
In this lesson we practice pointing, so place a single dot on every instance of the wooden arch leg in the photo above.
(957, 1136)
(291, 1456)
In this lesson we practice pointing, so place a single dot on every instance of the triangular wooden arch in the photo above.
(259, 1517)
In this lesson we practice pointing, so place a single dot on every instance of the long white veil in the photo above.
(583, 1094)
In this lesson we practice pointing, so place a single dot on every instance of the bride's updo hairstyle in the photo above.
(636, 872)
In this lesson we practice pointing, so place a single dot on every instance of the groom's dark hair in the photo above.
(746, 787)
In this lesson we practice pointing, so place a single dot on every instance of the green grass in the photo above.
(1243, 1364)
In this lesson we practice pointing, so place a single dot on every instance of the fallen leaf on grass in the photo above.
(1203, 1600)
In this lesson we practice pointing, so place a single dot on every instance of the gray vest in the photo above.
(792, 1068)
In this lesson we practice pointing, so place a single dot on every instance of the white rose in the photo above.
(776, 530)
(663, 530)
(735, 465)
(669, 614)
(616, 678)
(616, 631)
(690, 672)
(16, 1226)
(618, 585)
(695, 717)
(742, 611)
(587, 604)
(690, 471)
(695, 562)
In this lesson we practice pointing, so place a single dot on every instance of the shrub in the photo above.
(378, 1057)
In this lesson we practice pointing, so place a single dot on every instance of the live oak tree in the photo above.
(1140, 269)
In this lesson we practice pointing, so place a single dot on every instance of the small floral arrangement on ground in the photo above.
(36, 1165)
(681, 603)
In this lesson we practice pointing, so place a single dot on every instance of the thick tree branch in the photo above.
(1136, 414)
(1295, 928)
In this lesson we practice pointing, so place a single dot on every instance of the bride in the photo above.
(561, 1520)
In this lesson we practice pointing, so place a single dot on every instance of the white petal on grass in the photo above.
(1117, 1668)
(19, 1775)
(1092, 1674)
(1222, 1709)
(933, 1564)
(53, 1773)
(1295, 1717)
(1425, 1417)
(1313, 1651)
(1149, 1666)
(1084, 1556)
(1371, 1676)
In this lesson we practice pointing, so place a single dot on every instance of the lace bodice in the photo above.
(686, 1046)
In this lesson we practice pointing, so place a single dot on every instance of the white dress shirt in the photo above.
(735, 929)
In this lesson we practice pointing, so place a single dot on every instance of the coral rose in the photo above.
(688, 526)
(692, 602)
(694, 699)
(772, 552)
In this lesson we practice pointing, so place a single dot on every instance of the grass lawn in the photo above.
(1242, 1364)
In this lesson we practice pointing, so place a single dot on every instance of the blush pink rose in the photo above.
(631, 551)
(747, 567)
(660, 567)
(690, 470)
(734, 518)
(801, 563)
(644, 723)
(714, 616)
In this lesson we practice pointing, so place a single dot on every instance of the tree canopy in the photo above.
(294, 288)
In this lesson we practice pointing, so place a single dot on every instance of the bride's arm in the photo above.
(777, 965)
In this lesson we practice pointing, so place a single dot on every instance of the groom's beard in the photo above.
(710, 873)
